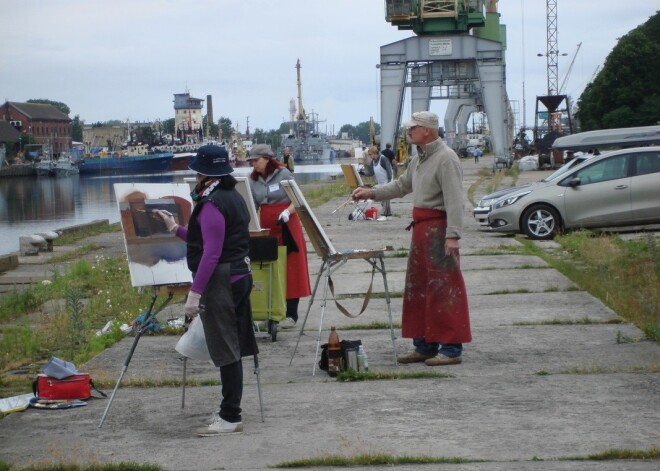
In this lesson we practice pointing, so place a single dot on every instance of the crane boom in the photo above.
(568, 72)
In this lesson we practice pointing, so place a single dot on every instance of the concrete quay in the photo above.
(526, 397)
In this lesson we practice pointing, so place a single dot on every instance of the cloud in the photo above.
(119, 59)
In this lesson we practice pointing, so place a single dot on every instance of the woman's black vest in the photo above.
(237, 236)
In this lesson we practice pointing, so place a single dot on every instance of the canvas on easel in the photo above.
(155, 256)
(243, 187)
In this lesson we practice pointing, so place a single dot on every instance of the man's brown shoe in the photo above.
(413, 357)
(443, 360)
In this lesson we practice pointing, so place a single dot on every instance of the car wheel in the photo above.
(540, 222)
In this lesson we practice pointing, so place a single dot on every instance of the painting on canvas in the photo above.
(155, 256)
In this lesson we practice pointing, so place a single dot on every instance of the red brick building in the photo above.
(44, 123)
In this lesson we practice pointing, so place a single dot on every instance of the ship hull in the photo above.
(127, 164)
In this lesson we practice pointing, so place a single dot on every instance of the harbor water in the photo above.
(30, 205)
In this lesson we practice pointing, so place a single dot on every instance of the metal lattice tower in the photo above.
(552, 53)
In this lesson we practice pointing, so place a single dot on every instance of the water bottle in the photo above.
(363, 363)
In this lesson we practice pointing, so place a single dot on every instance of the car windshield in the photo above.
(564, 168)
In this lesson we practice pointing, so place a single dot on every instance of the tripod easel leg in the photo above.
(183, 384)
(323, 303)
(389, 308)
(257, 372)
(148, 319)
(309, 308)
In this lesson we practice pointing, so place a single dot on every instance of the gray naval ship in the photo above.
(307, 144)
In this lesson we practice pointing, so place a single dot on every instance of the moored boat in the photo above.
(118, 163)
(63, 166)
(181, 160)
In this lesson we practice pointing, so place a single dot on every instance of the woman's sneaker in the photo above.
(287, 323)
(219, 426)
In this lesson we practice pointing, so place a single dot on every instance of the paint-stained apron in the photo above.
(297, 272)
(435, 305)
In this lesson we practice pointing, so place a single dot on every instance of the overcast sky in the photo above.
(125, 59)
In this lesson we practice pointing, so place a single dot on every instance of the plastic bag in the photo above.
(58, 368)
(192, 344)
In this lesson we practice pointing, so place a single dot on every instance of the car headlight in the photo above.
(509, 200)
(485, 203)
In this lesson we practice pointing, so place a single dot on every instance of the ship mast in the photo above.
(301, 110)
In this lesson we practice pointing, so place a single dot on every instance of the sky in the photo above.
(125, 59)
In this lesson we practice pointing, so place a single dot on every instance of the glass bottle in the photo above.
(334, 353)
(363, 363)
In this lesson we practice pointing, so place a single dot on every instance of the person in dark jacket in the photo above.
(217, 238)
(389, 153)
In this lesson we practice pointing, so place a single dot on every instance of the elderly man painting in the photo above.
(435, 308)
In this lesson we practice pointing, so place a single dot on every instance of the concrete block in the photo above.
(8, 262)
(31, 245)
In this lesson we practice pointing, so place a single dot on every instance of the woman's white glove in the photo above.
(192, 304)
(284, 216)
(167, 218)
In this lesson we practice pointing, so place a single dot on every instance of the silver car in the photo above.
(620, 188)
(481, 211)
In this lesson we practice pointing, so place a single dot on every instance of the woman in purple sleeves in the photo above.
(217, 239)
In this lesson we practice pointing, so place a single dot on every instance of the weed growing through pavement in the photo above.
(350, 375)
(371, 326)
(77, 321)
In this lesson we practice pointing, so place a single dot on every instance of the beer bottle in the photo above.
(334, 353)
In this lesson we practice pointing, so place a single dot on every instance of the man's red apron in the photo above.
(297, 272)
(435, 305)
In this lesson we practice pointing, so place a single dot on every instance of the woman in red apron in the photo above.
(276, 212)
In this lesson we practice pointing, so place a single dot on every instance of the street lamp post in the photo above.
(552, 69)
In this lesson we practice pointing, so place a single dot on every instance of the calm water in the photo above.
(38, 204)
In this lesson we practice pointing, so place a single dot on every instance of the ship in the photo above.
(135, 159)
(306, 142)
(64, 165)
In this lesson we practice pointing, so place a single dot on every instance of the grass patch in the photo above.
(126, 466)
(483, 174)
(510, 291)
(317, 195)
(371, 459)
(618, 454)
(655, 368)
(625, 275)
(70, 237)
(393, 294)
(500, 250)
(80, 302)
(348, 376)
(74, 254)
(372, 326)
(583, 321)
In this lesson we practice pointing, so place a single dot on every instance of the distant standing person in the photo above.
(277, 213)
(389, 153)
(368, 163)
(435, 307)
(333, 155)
(382, 174)
(477, 153)
(287, 159)
(217, 253)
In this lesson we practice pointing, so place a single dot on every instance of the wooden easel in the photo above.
(332, 260)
